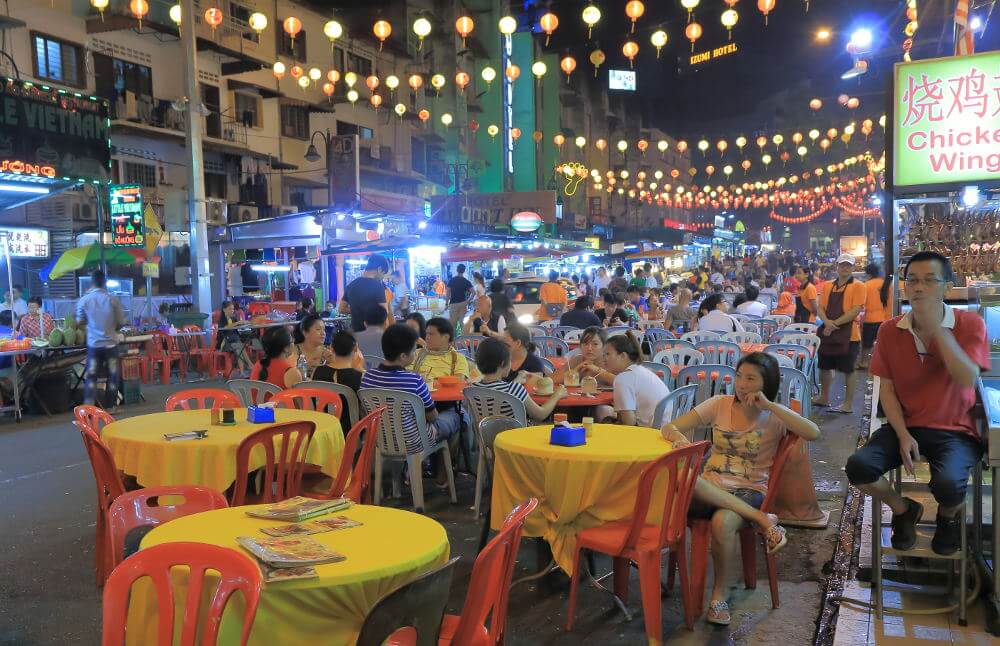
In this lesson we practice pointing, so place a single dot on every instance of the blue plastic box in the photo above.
(568, 436)
(260, 415)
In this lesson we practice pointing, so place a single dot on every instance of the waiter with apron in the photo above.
(805, 302)
(840, 336)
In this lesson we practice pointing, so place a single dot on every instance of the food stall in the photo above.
(942, 181)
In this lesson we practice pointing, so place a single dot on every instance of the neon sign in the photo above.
(712, 54)
(127, 226)
(19, 167)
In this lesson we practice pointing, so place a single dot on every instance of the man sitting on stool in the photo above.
(928, 361)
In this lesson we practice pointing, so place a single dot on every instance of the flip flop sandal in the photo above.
(718, 613)
(776, 538)
(841, 411)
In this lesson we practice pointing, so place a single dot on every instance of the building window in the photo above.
(359, 64)
(295, 121)
(248, 109)
(347, 128)
(136, 173)
(338, 59)
(294, 48)
(215, 185)
(58, 60)
(240, 15)
(418, 156)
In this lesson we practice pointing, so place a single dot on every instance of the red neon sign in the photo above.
(26, 168)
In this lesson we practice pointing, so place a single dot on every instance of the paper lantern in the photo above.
(548, 22)
(464, 26)
(849, 129)
(765, 7)
(400, 110)
(802, 150)
(567, 65)
(512, 72)
(415, 82)
(350, 79)
(630, 49)
(352, 96)
(213, 16)
(489, 75)
(462, 79)
(580, 142)
(538, 68)
(376, 101)
(492, 130)
(437, 82)
(424, 115)
(843, 99)
(761, 142)
(473, 125)
(709, 170)
(591, 16)
(777, 139)
(507, 25)
(559, 139)
(634, 10)
(690, 5)
(642, 145)
(446, 119)
(746, 166)
(382, 29)
(296, 71)
(824, 144)
(372, 82)
(814, 134)
(257, 22)
(315, 74)
(703, 146)
(328, 90)
(333, 76)
(392, 82)
(333, 30)
(659, 40)
(722, 145)
(292, 26)
(729, 19)
(853, 103)
(727, 169)
(303, 82)
(622, 146)
(740, 142)
(675, 174)
(662, 145)
(597, 59)
(278, 69)
(832, 133)
(101, 5)
(422, 28)
(766, 159)
(693, 32)
(797, 138)
(515, 133)
(174, 13)
(139, 9)
(601, 144)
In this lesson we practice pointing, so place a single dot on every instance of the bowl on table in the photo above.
(543, 386)
(449, 381)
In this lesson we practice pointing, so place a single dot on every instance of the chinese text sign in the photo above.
(947, 121)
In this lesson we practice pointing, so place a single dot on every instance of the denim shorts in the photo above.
(751, 497)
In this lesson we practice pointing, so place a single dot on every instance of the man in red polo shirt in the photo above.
(928, 361)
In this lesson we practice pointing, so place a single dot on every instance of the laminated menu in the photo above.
(312, 527)
(292, 551)
(275, 574)
(299, 508)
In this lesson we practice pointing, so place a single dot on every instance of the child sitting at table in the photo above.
(746, 430)
(438, 358)
(493, 360)
(342, 368)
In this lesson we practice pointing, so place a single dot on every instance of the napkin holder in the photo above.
(568, 436)
(260, 415)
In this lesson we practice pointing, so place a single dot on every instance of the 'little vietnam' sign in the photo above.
(126, 215)
(946, 121)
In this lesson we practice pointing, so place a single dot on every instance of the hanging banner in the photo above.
(946, 122)
(126, 215)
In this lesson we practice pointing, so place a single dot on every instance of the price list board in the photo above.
(126, 215)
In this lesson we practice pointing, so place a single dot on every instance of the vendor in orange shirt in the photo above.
(878, 308)
(553, 297)
(806, 303)
(840, 335)
(786, 304)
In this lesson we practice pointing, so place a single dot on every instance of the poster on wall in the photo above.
(946, 122)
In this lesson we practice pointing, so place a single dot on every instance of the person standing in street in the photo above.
(602, 280)
(553, 297)
(459, 289)
(840, 335)
(366, 291)
(103, 315)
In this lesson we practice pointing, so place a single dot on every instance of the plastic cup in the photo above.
(588, 426)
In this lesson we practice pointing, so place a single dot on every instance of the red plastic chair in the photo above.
(163, 352)
(285, 446)
(109, 487)
(637, 541)
(92, 417)
(360, 476)
(236, 573)
(489, 587)
(316, 399)
(701, 538)
(202, 399)
(211, 361)
(258, 309)
(133, 509)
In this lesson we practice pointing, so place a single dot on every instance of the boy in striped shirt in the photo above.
(493, 360)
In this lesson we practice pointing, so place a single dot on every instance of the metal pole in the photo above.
(99, 191)
(201, 288)
(328, 140)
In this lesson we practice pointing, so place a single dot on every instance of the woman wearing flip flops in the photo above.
(746, 430)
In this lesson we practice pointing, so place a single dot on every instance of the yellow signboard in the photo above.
(593, 241)
(153, 232)
(151, 270)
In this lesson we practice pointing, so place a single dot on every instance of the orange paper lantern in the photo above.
(765, 7)
(515, 133)
(464, 26)
(559, 140)
(815, 104)
(693, 32)
(333, 76)
(424, 115)
(382, 29)
(376, 101)
(415, 82)
(630, 49)
(634, 10)
(328, 89)
(567, 65)
(462, 79)
(296, 71)
(512, 72)
(548, 22)
(139, 9)
(292, 26)
(372, 82)
(601, 144)
(213, 16)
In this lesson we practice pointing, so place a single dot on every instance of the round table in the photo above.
(139, 449)
(577, 487)
(573, 399)
(391, 548)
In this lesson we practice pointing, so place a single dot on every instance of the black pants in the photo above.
(951, 455)
(98, 358)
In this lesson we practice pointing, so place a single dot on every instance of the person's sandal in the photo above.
(776, 538)
(718, 613)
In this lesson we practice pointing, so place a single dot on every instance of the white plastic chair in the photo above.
(784, 361)
(799, 355)
(677, 403)
(252, 392)
(795, 388)
(393, 446)
(680, 356)
(699, 335)
(550, 346)
(718, 351)
(560, 331)
(537, 330)
(372, 361)
(573, 336)
(712, 379)
(810, 341)
(470, 343)
(662, 371)
(481, 404)
(781, 319)
(805, 328)
(617, 330)
(346, 393)
(739, 338)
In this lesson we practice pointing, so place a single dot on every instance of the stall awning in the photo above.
(386, 246)
(295, 230)
(655, 253)
(472, 254)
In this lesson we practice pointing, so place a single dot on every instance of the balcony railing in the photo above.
(160, 113)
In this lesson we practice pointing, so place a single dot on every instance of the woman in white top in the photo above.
(637, 390)
(713, 318)
(753, 307)
(479, 283)
(746, 430)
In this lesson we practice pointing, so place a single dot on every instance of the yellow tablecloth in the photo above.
(139, 449)
(391, 548)
(577, 487)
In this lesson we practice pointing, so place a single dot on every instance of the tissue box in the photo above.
(568, 436)
(260, 415)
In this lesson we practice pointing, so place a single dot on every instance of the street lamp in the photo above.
(312, 156)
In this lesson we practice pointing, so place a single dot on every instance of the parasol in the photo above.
(88, 256)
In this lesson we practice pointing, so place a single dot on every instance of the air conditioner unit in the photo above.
(287, 209)
(215, 211)
(242, 213)
(80, 206)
